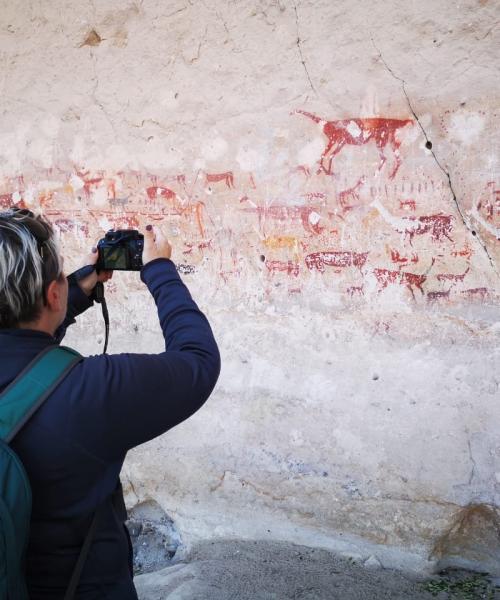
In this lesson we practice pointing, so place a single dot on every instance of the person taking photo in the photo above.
(73, 447)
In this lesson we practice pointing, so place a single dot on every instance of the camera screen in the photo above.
(114, 258)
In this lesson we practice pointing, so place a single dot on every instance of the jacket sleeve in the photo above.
(78, 302)
(120, 401)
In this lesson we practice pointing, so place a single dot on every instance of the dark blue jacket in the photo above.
(73, 448)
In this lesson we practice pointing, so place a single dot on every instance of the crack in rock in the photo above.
(299, 46)
(94, 92)
(473, 469)
(132, 487)
(148, 121)
(197, 56)
(176, 12)
(428, 145)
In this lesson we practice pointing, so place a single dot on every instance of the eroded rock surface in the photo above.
(155, 538)
(472, 541)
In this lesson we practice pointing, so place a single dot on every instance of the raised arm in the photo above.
(78, 302)
(120, 401)
(81, 284)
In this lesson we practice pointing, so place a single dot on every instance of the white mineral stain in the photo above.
(118, 183)
(105, 224)
(314, 218)
(400, 224)
(354, 129)
(100, 196)
(251, 159)
(466, 127)
(76, 182)
(29, 194)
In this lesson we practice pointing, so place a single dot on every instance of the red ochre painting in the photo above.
(362, 236)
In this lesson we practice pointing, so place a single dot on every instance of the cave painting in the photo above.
(409, 280)
(179, 206)
(362, 237)
(289, 267)
(318, 260)
(307, 215)
(486, 211)
(227, 177)
(438, 226)
(357, 132)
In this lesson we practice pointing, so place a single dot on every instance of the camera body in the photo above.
(120, 250)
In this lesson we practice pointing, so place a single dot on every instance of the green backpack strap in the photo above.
(24, 396)
(18, 403)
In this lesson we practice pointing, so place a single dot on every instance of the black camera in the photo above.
(120, 250)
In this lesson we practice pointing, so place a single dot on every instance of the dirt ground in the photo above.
(236, 570)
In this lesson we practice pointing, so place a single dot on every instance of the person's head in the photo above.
(33, 289)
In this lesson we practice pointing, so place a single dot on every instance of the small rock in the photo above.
(372, 563)
(134, 528)
(352, 557)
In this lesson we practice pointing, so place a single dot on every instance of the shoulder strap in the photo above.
(82, 558)
(24, 396)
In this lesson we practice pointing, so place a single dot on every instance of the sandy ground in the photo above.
(235, 570)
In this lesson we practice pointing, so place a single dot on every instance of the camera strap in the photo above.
(100, 299)
(97, 296)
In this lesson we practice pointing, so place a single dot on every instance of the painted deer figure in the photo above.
(357, 132)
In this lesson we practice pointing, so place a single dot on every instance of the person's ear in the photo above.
(54, 296)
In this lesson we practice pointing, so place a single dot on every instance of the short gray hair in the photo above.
(29, 261)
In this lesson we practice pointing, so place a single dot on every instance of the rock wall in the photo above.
(328, 174)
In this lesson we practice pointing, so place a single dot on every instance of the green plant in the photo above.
(474, 587)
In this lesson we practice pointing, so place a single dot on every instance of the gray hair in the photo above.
(29, 261)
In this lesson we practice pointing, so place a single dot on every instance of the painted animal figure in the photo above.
(350, 195)
(357, 132)
(179, 207)
(156, 191)
(386, 276)
(90, 183)
(227, 177)
(318, 260)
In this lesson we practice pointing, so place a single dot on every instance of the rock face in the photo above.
(473, 540)
(154, 537)
(328, 174)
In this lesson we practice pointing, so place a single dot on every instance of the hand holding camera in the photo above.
(120, 250)
(155, 245)
(129, 250)
(87, 277)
